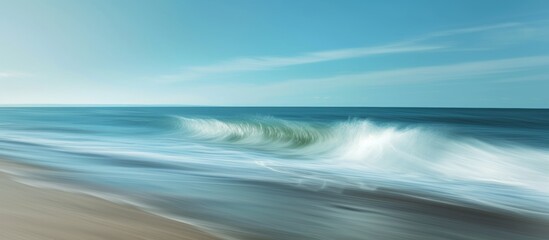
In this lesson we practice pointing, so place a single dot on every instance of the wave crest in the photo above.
(353, 140)
(255, 132)
(363, 145)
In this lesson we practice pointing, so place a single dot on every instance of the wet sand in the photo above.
(29, 213)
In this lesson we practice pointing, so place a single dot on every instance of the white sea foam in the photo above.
(363, 145)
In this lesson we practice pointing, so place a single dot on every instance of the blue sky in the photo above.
(276, 53)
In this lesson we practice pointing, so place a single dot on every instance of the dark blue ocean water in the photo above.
(300, 173)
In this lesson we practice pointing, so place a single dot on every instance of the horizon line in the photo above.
(242, 106)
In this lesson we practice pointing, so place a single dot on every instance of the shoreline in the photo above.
(31, 213)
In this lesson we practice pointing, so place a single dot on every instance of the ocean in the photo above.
(299, 172)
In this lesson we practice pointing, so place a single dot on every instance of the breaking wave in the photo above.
(364, 145)
(257, 132)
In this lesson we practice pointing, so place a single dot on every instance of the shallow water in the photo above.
(302, 173)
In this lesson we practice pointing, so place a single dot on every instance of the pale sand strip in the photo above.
(29, 213)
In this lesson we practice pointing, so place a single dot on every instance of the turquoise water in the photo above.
(301, 173)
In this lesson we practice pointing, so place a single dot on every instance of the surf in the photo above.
(221, 167)
(363, 145)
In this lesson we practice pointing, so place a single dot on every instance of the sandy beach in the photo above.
(29, 213)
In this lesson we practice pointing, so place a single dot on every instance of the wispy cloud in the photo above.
(448, 72)
(533, 68)
(476, 29)
(13, 74)
(245, 64)
(266, 62)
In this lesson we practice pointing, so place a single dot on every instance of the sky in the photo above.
(439, 53)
